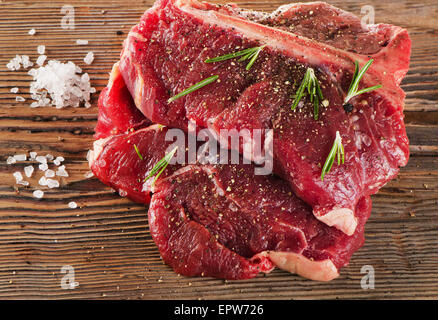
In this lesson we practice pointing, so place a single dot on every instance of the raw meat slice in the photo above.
(258, 221)
(166, 52)
(222, 220)
(205, 219)
(117, 111)
(115, 162)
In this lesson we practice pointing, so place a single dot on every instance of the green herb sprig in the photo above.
(309, 85)
(138, 152)
(250, 54)
(336, 150)
(195, 87)
(159, 167)
(357, 76)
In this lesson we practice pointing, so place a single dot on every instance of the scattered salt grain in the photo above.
(19, 61)
(14, 90)
(89, 58)
(38, 194)
(25, 61)
(20, 157)
(41, 49)
(49, 173)
(60, 85)
(19, 99)
(10, 160)
(89, 174)
(72, 205)
(41, 159)
(43, 166)
(18, 176)
(61, 172)
(28, 171)
(42, 181)
(32, 155)
(50, 157)
(23, 183)
(81, 42)
(32, 32)
(60, 159)
(41, 59)
(51, 183)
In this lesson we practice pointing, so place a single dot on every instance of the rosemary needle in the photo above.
(195, 87)
(357, 76)
(250, 54)
(138, 152)
(337, 150)
(159, 167)
(309, 85)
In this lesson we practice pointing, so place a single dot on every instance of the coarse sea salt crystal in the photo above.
(19, 99)
(28, 171)
(41, 159)
(25, 61)
(32, 32)
(41, 49)
(10, 160)
(81, 42)
(38, 194)
(20, 157)
(72, 205)
(41, 59)
(61, 172)
(42, 181)
(23, 183)
(89, 58)
(49, 173)
(14, 63)
(32, 155)
(60, 85)
(89, 174)
(14, 90)
(43, 166)
(51, 183)
(50, 156)
(18, 176)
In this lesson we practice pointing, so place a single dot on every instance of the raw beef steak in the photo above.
(166, 52)
(117, 111)
(218, 220)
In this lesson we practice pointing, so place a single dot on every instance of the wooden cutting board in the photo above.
(106, 239)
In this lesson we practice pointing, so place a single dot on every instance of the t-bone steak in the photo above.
(215, 220)
(165, 54)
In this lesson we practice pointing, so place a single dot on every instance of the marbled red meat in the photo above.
(165, 53)
(219, 220)
(117, 111)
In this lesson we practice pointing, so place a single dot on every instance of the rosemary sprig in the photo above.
(336, 150)
(138, 152)
(250, 54)
(195, 87)
(309, 82)
(159, 167)
(357, 76)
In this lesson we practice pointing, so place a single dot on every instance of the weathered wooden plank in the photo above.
(106, 238)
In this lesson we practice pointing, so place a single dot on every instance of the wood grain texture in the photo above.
(106, 238)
